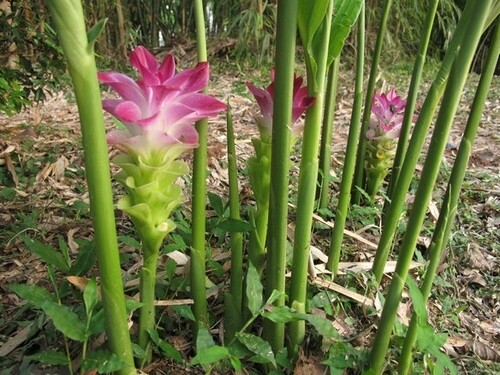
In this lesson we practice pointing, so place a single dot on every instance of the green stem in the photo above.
(197, 272)
(70, 25)
(450, 102)
(278, 202)
(425, 117)
(412, 97)
(350, 157)
(325, 153)
(452, 196)
(233, 313)
(308, 177)
(359, 172)
(147, 293)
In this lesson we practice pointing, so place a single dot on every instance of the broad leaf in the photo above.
(167, 349)
(65, 320)
(47, 253)
(204, 340)
(345, 15)
(210, 355)
(90, 297)
(235, 225)
(258, 346)
(33, 294)
(103, 362)
(281, 314)
(50, 357)
(254, 290)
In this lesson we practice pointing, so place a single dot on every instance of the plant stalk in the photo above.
(325, 153)
(359, 172)
(234, 312)
(350, 157)
(451, 99)
(147, 293)
(278, 201)
(452, 196)
(308, 177)
(70, 24)
(199, 194)
(415, 145)
(412, 97)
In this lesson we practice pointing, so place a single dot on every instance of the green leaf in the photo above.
(281, 314)
(418, 300)
(235, 225)
(204, 339)
(275, 295)
(103, 362)
(168, 350)
(132, 305)
(96, 30)
(90, 297)
(210, 355)
(345, 15)
(47, 253)
(322, 325)
(33, 294)
(216, 203)
(258, 346)
(50, 357)
(85, 260)
(65, 320)
(254, 290)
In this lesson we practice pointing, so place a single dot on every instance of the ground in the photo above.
(43, 196)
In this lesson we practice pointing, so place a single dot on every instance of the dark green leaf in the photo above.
(235, 225)
(50, 357)
(210, 355)
(322, 325)
(103, 362)
(168, 350)
(65, 320)
(216, 203)
(96, 30)
(254, 290)
(33, 294)
(258, 346)
(47, 253)
(87, 255)
(90, 297)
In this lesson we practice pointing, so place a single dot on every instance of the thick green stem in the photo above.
(415, 146)
(452, 195)
(359, 172)
(325, 153)
(278, 201)
(412, 96)
(350, 157)
(308, 177)
(197, 271)
(450, 102)
(70, 25)
(234, 306)
(147, 293)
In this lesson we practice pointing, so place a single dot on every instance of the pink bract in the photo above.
(265, 100)
(388, 109)
(161, 108)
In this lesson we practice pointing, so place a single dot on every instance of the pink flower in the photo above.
(265, 100)
(388, 109)
(160, 108)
